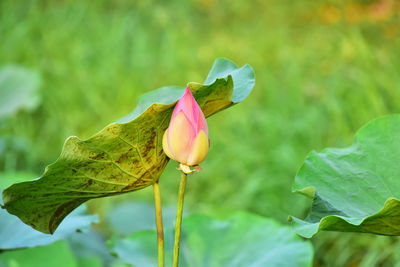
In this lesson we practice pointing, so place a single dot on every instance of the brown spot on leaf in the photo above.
(98, 156)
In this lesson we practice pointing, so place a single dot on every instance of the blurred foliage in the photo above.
(40, 256)
(213, 242)
(15, 234)
(323, 69)
(18, 90)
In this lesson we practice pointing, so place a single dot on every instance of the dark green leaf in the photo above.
(121, 158)
(355, 189)
(8, 178)
(242, 239)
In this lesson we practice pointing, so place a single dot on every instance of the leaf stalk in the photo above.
(178, 222)
(159, 224)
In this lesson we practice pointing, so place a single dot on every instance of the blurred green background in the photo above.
(323, 69)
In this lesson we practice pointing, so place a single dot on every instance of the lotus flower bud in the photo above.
(186, 139)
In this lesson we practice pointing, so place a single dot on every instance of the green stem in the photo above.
(159, 224)
(178, 223)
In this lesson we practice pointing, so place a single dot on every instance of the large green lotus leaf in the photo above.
(123, 157)
(89, 244)
(120, 217)
(242, 239)
(18, 90)
(355, 189)
(15, 234)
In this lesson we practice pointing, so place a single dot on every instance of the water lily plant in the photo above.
(128, 156)
(186, 141)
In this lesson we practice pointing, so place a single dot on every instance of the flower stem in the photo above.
(178, 223)
(159, 224)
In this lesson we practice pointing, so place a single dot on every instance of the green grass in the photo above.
(316, 84)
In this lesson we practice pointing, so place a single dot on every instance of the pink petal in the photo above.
(193, 113)
(202, 124)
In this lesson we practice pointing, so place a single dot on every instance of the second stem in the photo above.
(178, 223)
(159, 223)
